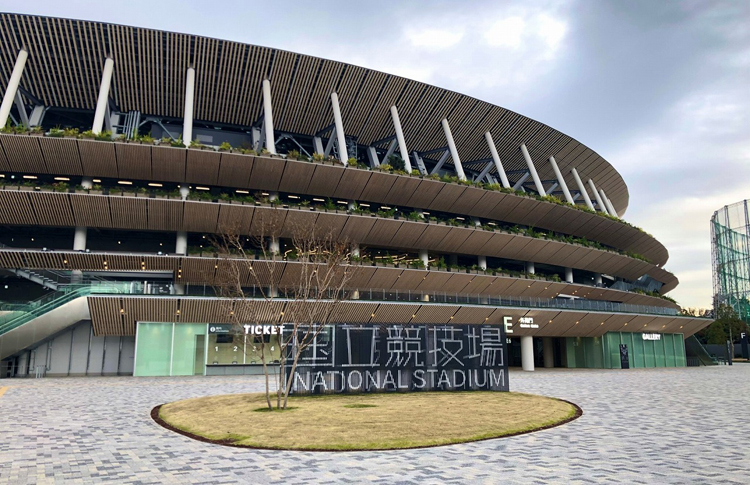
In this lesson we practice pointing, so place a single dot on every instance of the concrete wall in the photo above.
(78, 352)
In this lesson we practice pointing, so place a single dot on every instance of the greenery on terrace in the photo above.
(395, 163)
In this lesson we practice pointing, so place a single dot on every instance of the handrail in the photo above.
(54, 300)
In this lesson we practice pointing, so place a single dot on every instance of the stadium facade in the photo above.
(461, 211)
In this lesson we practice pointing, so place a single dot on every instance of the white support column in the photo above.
(496, 159)
(527, 353)
(184, 191)
(180, 246)
(530, 267)
(103, 100)
(548, 352)
(482, 262)
(187, 123)
(599, 201)
(400, 138)
(568, 275)
(87, 182)
(561, 180)
(12, 88)
(268, 117)
(532, 170)
(22, 109)
(79, 239)
(355, 250)
(598, 279)
(338, 121)
(424, 256)
(608, 203)
(452, 149)
(582, 189)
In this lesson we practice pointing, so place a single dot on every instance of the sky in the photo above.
(660, 89)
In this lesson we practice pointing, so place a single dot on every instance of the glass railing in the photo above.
(465, 299)
(18, 314)
(23, 313)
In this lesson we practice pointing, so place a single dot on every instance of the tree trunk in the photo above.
(288, 386)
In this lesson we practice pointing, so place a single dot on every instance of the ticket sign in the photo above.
(371, 358)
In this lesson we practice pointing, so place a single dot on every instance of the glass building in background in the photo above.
(730, 252)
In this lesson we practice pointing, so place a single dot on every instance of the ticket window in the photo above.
(225, 348)
(229, 349)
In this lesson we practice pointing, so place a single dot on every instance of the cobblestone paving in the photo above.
(639, 426)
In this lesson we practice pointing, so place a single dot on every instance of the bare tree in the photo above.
(317, 271)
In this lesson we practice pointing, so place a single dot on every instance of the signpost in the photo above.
(371, 358)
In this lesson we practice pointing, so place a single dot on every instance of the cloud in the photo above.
(506, 32)
(435, 38)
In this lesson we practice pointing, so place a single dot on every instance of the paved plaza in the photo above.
(639, 426)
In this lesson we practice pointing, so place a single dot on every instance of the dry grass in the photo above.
(371, 421)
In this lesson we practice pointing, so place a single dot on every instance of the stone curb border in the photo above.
(229, 442)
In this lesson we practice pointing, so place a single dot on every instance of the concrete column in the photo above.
(482, 262)
(187, 123)
(268, 117)
(452, 150)
(582, 189)
(400, 138)
(530, 267)
(599, 201)
(103, 100)
(12, 88)
(274, 246)
(561, 180)
(496, 159)
(527, 353)
(179, 288)
(532, 170)
(184, 191)
(598, 279)
(548, 352)
(181, 243)
(425, 258)
(87, 182)
(609, 205)
(568, 275)
(79, 239)
(355, 249)
(318, 145)
(343, 155)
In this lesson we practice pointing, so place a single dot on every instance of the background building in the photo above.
(730, 252)
(460, 211)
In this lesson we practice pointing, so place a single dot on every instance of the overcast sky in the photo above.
(659, 88)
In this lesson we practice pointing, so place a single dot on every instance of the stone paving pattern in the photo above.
(639, 426)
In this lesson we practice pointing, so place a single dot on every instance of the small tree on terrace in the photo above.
(301, 289)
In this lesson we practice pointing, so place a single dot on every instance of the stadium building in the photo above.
(460, 211)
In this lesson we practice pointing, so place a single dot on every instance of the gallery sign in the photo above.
(651, 336)
(371, 358)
